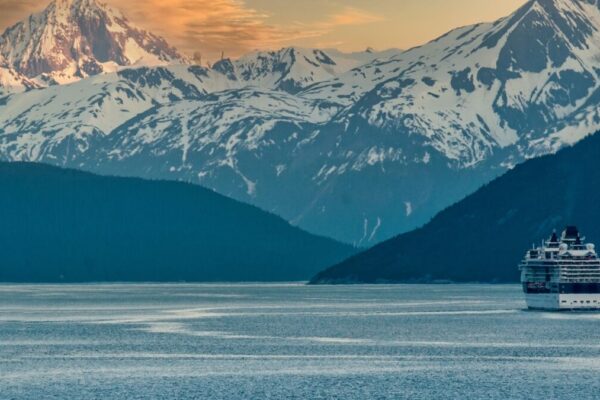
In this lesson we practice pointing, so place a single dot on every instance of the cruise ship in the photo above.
(562, 274)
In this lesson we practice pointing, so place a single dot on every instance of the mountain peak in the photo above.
(562, 2)
(85, 6)
(73, 39)
(79, 4)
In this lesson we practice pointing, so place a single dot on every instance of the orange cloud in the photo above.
(353, 16)
(230, 26)
(208, 26)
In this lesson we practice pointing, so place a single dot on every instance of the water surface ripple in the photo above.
(291, 341)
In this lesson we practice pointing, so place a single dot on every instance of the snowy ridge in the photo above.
(293, 69)
(475, 90)
(60, 123)
(199, 140)
(13, 82)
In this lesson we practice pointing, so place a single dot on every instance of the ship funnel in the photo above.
(571, 233)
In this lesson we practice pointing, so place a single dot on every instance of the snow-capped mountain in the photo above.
(232, 140)
(74, 39)
(59, 123)
(294, 69)
(485, 87)
(358, 147)
(482, 98)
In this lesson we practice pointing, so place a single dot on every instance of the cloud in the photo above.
(213, 26)
(353, 16)
(210, 26)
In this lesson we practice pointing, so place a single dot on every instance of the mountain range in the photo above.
(358, 147)
(483, 237)
(62, 225)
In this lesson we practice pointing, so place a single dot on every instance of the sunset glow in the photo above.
(238, 26)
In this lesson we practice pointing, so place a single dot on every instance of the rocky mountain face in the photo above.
(74, 39)
(359, 147)
(13, 82)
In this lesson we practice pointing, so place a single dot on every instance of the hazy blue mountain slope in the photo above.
(62, 225)
(483, 237)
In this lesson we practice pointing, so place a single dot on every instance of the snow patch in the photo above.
(408, 208)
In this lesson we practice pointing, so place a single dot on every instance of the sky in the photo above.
(235, 27)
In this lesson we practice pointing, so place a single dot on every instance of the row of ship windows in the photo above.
(582, 301)
(564, 277)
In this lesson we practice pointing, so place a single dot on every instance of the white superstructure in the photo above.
(562, 274)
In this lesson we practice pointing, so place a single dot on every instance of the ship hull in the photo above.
(561, 301)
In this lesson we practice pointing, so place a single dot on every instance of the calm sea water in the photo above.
(291, 342)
